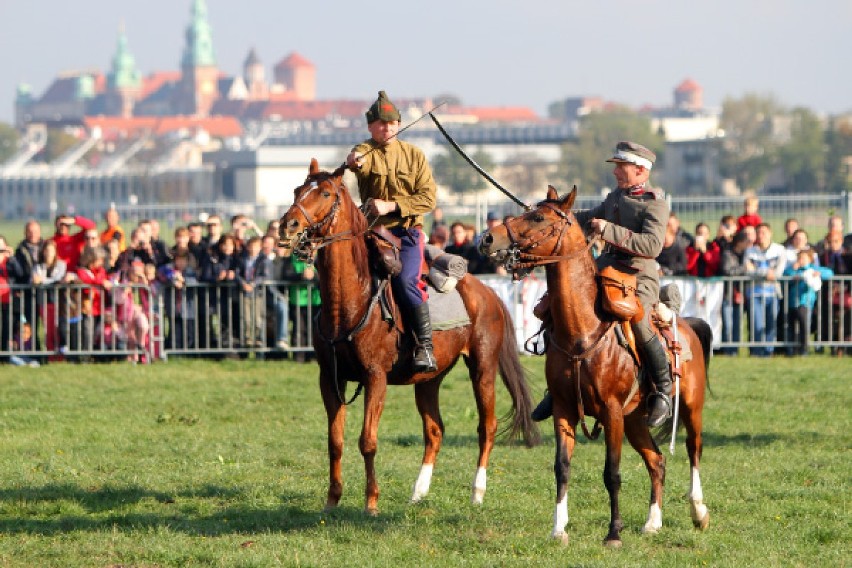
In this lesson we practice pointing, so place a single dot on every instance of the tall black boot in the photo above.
(659, 402)
(424, 359)
(544, 409)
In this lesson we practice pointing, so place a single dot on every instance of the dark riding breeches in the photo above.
(409, 287)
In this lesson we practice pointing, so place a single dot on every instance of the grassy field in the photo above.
(195, 463)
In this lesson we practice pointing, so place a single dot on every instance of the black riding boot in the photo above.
(544, 410)
(660, 402)
(424, 359)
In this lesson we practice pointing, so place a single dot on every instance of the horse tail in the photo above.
(705, 335)
(512, 373)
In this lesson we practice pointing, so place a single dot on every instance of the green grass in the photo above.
(195, 463)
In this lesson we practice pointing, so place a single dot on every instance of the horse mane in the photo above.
(358, 224)
(357, 219)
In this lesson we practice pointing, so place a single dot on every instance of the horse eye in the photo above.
(326, 194)
(538, 217)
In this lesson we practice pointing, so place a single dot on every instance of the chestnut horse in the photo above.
(589, 371)
(354, 343)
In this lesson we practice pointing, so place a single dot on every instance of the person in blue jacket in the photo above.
(806, 283)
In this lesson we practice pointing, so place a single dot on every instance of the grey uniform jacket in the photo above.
(634, 236)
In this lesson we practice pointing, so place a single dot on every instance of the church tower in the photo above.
(298, 75)
(123, 81)
(199, 87)
(255, 77)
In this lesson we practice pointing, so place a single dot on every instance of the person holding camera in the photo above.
(703, 255)
(70, 246)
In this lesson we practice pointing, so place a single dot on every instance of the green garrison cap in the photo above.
(382, 109)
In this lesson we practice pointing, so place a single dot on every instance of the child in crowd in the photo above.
(23, 341)
(179, 280)
(750, 217)
(131, 316)
(252, 270)
(807, 282)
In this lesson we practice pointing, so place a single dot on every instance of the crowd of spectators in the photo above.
(745, 248)
(462, 239)
(92, 292)
(222, 288)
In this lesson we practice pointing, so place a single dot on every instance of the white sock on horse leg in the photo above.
(560, 517)
(698, 509)
(479, 483)
(655, 520)
(424, 480)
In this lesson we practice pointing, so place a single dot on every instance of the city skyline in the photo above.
(507, 55)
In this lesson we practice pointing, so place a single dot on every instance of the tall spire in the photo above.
(123, 73)
(198, 50)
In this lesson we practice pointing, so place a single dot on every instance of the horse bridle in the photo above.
(520, 262)
(307, 245)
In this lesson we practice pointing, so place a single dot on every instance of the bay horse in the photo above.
(589, 371)
(354, 343)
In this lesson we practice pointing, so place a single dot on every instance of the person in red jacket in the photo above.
(10, 271)
(68, 246)
(92, 272)
(750, 217)
(703, 256)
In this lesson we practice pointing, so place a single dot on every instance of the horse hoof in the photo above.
(650, 530)
(478, 496)
(371, 512)
(560, 537)
(329, 507)
(614, 543)
(703, 522)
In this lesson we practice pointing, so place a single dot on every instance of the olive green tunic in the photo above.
(397, 172)
(634, 238)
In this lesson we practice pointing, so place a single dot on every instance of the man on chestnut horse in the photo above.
(396, 186)
(632, 223)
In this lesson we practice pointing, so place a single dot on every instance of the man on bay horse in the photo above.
(632, 223)
(396, 185)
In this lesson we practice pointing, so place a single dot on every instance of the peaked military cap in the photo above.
(382, 109)
(633, 153)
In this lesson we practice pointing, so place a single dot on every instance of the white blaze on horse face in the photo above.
(479, 482)
(560, 517)
(655, 520)
(424, 480)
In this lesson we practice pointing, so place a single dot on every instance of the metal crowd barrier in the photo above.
(76, 322)
(142, 323)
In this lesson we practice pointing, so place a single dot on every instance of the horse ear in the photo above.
(551, 193)
(568, 201)
(314, 169)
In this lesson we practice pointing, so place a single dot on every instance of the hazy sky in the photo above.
(488, 52)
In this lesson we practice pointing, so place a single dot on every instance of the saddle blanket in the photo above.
(446, 310)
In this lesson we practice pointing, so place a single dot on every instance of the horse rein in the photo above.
(308, 246)
(576, 360)
(520, 261)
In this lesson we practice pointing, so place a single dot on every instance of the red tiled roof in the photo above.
(294, 60)
(311, 110)
(688, 85)
(154, 81)
(216, 126)
(502, 114)
(100, 83)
